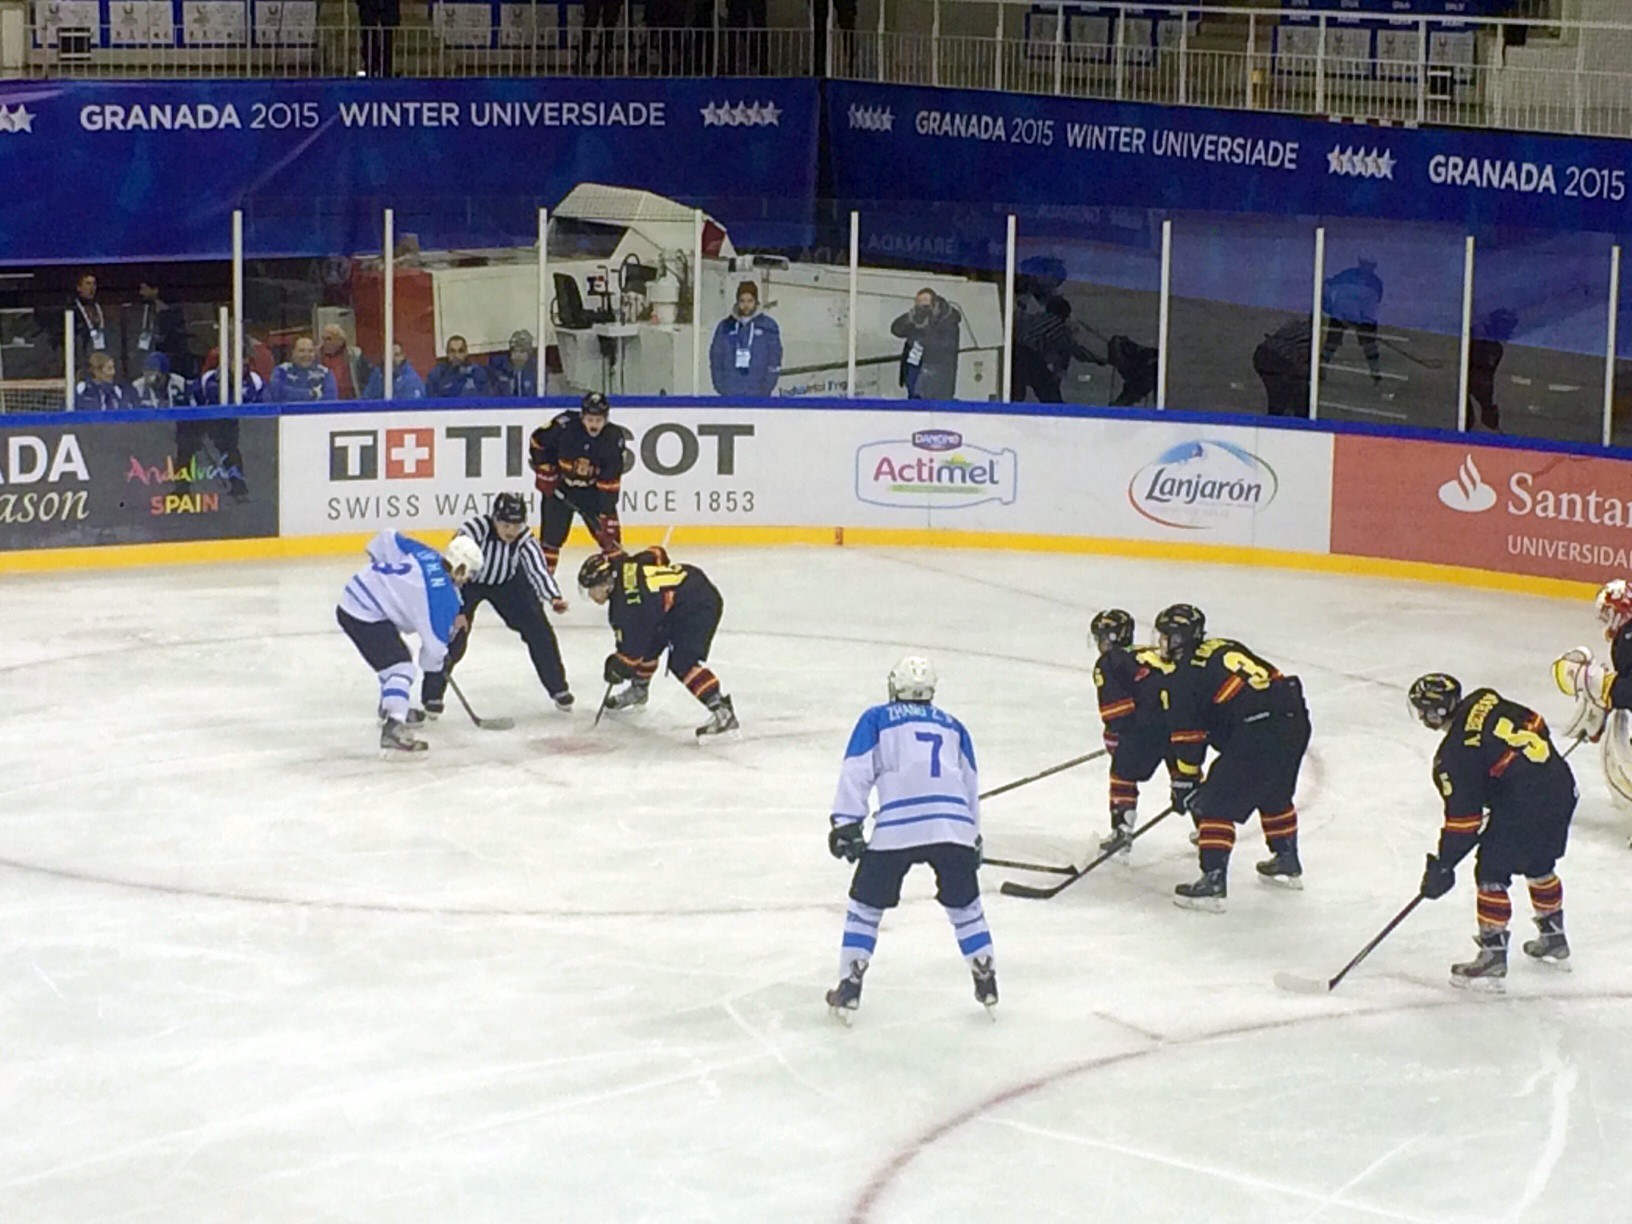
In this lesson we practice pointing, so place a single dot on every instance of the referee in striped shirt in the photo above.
(517, 582)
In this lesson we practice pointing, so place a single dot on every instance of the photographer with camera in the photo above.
(929, 333)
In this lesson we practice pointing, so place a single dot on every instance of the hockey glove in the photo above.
(546, 482)
(980, 850)
(844, 841)
(433, 688)
(1437, 879)
(1182, 792)
(617, 668)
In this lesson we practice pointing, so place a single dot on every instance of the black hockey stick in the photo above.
(1427, 363)
(1039, 776)
(1048, 868)
(1303, 985)
(605, 697)
(1011, 889)
(607, 544)
(486, 724)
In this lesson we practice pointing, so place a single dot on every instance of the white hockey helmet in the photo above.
(464, 557)
(1614, 605)
(912, 679)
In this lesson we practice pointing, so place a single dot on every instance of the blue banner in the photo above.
(108, 172)
(898, 143)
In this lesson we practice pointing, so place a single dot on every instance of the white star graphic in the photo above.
(710, 115)
(1368, 164)
(772, 114)
(755, 117)
(21, 120)
(739, 115)
(888, 120)
(1334, 161)
(1387, 163)
(5, 119)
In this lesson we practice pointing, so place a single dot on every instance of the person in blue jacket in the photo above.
(101, 392)
(1350, 300)
(515, 374)
(158, 387)
(302, 379)
(406, 384)
(456, 375)
(746, 355)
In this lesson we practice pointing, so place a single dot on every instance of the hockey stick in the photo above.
(1579, 740)
(1303, 985)
(605, 697)
(1427, 363)
(486, 724)
(607, 543)
(1039, 776)
(1011, 889)
(1048, 868)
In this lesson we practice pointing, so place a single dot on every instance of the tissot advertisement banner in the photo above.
(137, 171)
(827, 467)
(139, 482)
(900, 143)
(1514, 511)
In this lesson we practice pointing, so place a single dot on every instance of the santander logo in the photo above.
(1468, 493)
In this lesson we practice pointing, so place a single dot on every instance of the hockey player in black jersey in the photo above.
(577, 464)
(1129, 683)
(1508, 791)
(1225, 697)
(654, 606)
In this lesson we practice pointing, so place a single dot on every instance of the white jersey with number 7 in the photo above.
(922, 763)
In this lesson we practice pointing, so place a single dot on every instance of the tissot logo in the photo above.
(410, 454)
(743, 114)
(1352, 162)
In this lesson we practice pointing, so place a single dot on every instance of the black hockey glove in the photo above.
(1183, 790)
(980, 850)
(1437, 879)
(844, 841)
(616, 669)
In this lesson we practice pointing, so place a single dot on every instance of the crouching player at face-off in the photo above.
(654, 606)
(922, 763)
(1130, 684)
(407, 588)
(1603, 694)
(1498, 759)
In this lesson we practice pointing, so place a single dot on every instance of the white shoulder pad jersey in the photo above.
(407, 585)
(922, 763)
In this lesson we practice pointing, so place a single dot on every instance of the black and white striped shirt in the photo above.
(501, 561)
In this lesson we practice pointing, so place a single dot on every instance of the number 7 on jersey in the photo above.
(934, 742)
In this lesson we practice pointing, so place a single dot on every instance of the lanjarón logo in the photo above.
(1201, 484)
(935, 467)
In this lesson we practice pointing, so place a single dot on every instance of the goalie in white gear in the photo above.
(921, 762)
(1603, 692)
(406, 588)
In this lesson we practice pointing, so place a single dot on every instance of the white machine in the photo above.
(624, 297)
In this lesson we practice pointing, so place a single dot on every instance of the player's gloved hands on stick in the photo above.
(844, 841)
(980, 850)
(1183, 791)
(1437, 879)
(617, 669)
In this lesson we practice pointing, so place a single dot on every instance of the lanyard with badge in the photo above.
(99, 335)
(745, 350)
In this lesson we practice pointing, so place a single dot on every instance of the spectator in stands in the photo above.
(745, 357)
(1350, 300)
(1282, 362)
(456, 376)
(406, 384)
(930, 334)
(378, 21)
(1485, 350)
(90, 323)
(207, 390)
(100, 391)
(515, 373)
(746, 40)
(158, 387)
(154, 327)
(600, 20)
(348, 365)
(258, 356)
(667, 36)
(302, 379)
(844, 24)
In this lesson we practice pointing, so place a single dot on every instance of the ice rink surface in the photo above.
(254, 973)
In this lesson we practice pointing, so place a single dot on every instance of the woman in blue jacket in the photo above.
(746, 355)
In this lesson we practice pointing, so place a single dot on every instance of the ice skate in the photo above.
(395, 737)
(1551, 948)
(845, 998)
(1486, 971)
(721, 718)
(985, 975)
(414, 718)
(1206, 894)
(563, 701)
(1119, 843)
(434, 706)
(1282, 868)
(631, 696)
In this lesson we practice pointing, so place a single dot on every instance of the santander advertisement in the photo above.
(1494, 508)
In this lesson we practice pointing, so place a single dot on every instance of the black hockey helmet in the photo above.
(1112, 627)
(596, 570)
(594, 404)
(509, 508)
(1180, 628)
(1434, 699)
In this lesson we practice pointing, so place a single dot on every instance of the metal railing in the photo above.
(1538, 73)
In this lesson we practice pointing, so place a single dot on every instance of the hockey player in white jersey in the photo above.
(1603, 691)
(922, 764)
(407, 587)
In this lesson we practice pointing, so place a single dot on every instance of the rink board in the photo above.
(1176, 486)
